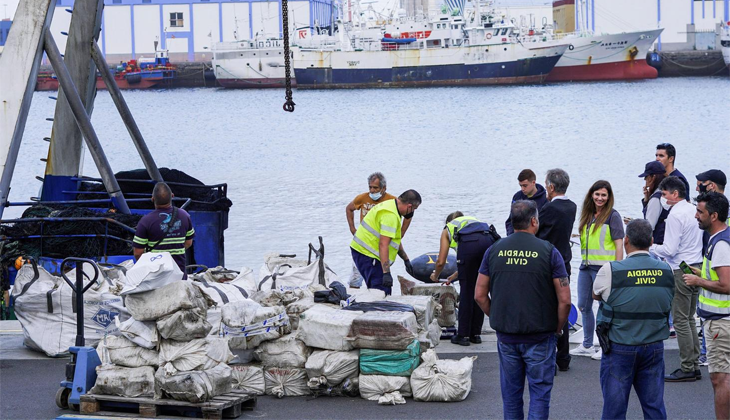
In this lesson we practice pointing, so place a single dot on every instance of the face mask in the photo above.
(703, 188)
(408, 215)
(376, 196)
(665, 204)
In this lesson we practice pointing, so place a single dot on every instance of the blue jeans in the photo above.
(370, 270)
(586, 277)
(537, 363)
(640, 366)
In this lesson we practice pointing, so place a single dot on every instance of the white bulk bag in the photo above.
(286, 273)
(152, 271)
(327, 367)
(326, 328)
(45, 307)
(198, 354)
(442, 380)
(222, 293)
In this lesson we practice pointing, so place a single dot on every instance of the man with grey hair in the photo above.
(166, 229)
(633, 322)
(364, 202)
(556, 225)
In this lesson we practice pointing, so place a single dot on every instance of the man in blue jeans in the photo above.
(524, 289)
(636, 297)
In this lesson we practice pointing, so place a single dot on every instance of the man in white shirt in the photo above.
(682, 242)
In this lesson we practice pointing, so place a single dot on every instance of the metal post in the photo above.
(125, 113)
(84, 123)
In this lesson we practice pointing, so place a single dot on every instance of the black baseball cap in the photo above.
(715, 175)
(653, 168)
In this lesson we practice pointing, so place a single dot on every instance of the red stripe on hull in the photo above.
(52, 84)
(255, 83)
(621, 70)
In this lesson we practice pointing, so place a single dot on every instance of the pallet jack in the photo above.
(81, 371)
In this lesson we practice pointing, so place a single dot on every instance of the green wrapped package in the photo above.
(390, 362)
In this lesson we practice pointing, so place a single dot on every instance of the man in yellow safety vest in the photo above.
(377, 240)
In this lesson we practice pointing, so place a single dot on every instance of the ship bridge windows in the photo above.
(176, 20)
(504, 31)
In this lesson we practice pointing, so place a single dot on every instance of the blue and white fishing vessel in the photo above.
(446, 50)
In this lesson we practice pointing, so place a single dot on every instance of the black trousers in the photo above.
(563, 356)
(469, 257)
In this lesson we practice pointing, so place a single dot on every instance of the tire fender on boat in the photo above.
(571, 47)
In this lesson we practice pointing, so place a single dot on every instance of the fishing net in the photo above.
(15, 242)
(205, 198)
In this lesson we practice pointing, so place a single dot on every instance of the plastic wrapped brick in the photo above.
(121, 351)
(249, 378)
(287, 351)
(286, 382)
(327, 367)
(184, 325)
(390, 362)
(154, 304)
(327, 328)
(446, 296)
(442, 380)
(195, 386)
(372, 387)
(384, 330)
(123, 381)
(426, 308)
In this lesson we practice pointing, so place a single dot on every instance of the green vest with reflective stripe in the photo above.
(642, 290)
(367, 237)
(454, 226)
(596, 245)
(713, 305)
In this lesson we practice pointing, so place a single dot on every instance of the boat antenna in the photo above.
(289, 104)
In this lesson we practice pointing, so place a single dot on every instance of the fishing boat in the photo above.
(134, 74)
(448, 50)
(593, 57)
(725, 42)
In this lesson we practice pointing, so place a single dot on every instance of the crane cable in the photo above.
(289, 104)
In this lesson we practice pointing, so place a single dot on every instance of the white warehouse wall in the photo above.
(265, 18)
(117, 21)
(206, 27)
(146, 28)
(235, 18)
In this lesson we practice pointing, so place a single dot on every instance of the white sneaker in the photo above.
(582, 351)
(597, 355)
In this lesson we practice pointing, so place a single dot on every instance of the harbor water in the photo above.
(290, 176)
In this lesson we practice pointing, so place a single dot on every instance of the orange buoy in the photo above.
(19, 263)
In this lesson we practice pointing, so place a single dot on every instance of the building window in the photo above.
(176, 20)
(117, 2)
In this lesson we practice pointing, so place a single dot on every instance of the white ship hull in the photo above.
(239, 66)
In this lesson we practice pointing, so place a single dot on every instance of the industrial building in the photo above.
(188, 28)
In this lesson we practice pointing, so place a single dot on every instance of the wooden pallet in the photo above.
(226, 406)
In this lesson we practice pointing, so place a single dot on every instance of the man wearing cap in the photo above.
(682, 242)
(667, 154)
(712, 180)
(653, 212)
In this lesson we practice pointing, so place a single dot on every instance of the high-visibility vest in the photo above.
(713, 305)
(454, 226)
(596, 245)
(367, 237)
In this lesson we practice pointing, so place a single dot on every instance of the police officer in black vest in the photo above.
(633, 322)
(524, 289)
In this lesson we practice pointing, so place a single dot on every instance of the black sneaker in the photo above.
(680, 376)
(462, 341)
(476, 339)
(698, 374)
(563, 367)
